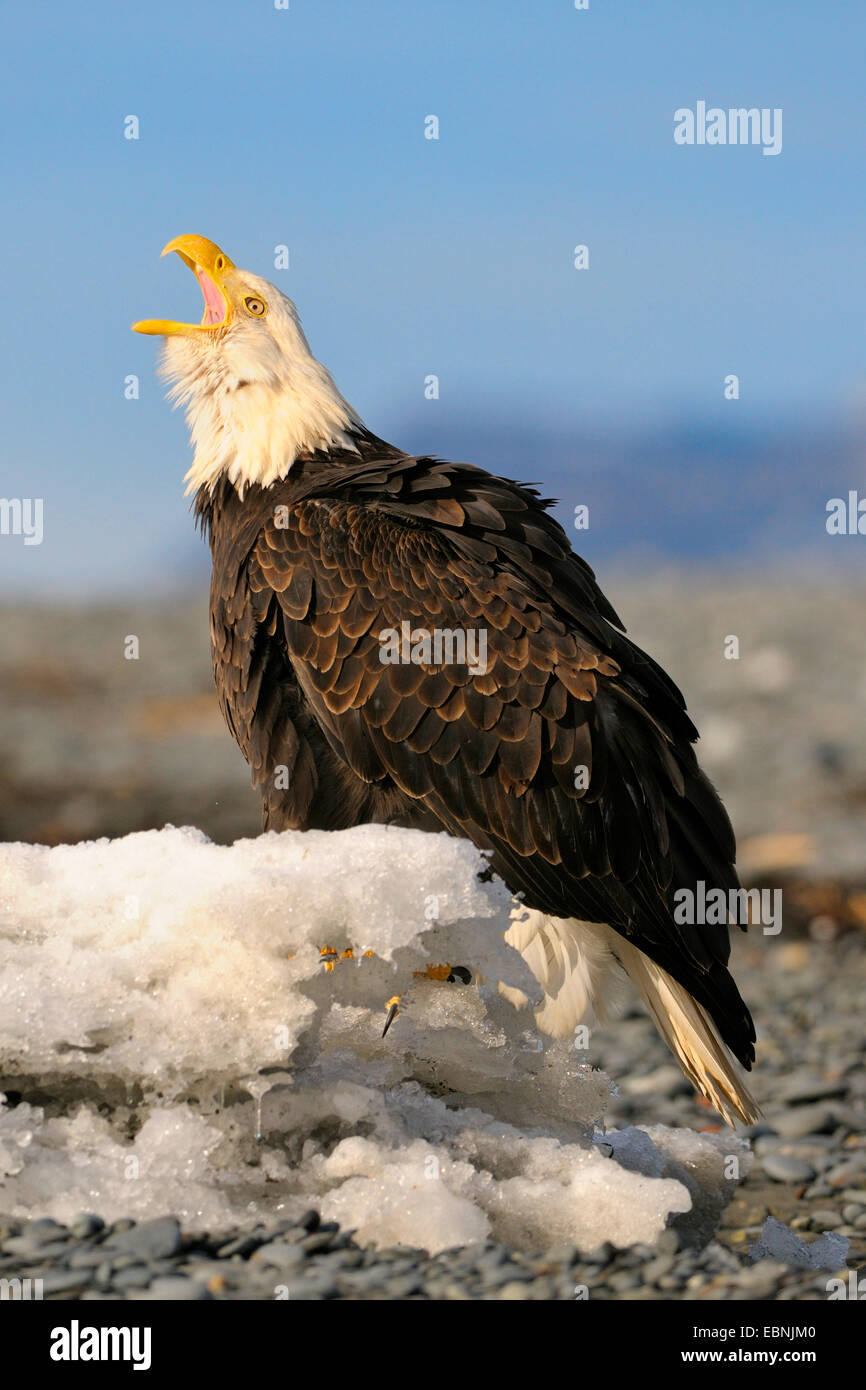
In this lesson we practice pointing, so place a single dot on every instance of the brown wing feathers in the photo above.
(360, 548)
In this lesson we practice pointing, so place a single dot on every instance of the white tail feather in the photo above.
(691, 1035)
(576, 965)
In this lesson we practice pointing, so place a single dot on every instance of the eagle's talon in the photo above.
(393, 1007)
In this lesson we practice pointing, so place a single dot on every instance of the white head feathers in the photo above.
(256, 398)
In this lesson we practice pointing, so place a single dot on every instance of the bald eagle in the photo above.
(565, 754)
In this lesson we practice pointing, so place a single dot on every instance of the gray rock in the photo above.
(152, 1240)
(757, 1131)
(176, 1289)
(624, 1279)
(798, 1091)
(406, 1285)
(657, 1268)
(364, 1280)
(818, 1189)
(665, 1080)
(506, 1274)
(762, 1278)
(86, 1259)
(319, 1240)
(243, 1246)
(133, 1277)
(86, 1224)
(850, 1171)
(803, 1120)
(310, 1220)
(44, 1229)
(23, 1246)
(280, 1255)
(62, 1280)
(514, 1293)
(786, 1168)
(825, 1219)
(303, 1290)
(563, 1254)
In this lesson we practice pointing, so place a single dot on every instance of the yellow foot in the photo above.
(444, 974)
(448, 974)
(432, 972)
(329, 956)
(393, 1007)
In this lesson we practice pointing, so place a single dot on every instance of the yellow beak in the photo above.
(209, 265)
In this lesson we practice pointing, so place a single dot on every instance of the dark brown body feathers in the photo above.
(306, 575)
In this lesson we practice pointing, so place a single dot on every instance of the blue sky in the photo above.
(409, 256)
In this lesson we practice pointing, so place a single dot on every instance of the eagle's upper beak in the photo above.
(209, 265)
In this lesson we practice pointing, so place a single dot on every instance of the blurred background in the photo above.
(453, 258)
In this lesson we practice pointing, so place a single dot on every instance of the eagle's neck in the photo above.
(250, 428)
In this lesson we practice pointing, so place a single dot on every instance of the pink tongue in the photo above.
(214, 304)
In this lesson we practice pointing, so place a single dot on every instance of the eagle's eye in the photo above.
(254, 306)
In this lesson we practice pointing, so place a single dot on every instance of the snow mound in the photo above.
(172, 1040)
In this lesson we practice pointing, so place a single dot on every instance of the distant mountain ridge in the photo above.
(683, 492)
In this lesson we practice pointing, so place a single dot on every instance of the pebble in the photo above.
(624, 1279)
(798, 1090)
(506, 1274)
(24, 1246)
(657, 1268)
(320, 1240)
(43, 1229)
(804, 1120)
(761, 1277)
(825, 1219)
(400, 1288)
(86, 1224)
(786, 1168)
(818, 1189)
(666, 1080)
(757, 1131)
(515, 1292)
(62, 1280)
(850, 1171)
(133, 1277)
(86, 1259)
(176, 1289)
(310, 1287)
(152, 1239)
(280, 1255)
(243, 1246)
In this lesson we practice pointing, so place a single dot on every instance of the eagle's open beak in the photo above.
(209, 264)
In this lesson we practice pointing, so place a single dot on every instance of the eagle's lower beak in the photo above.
(209, 264)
